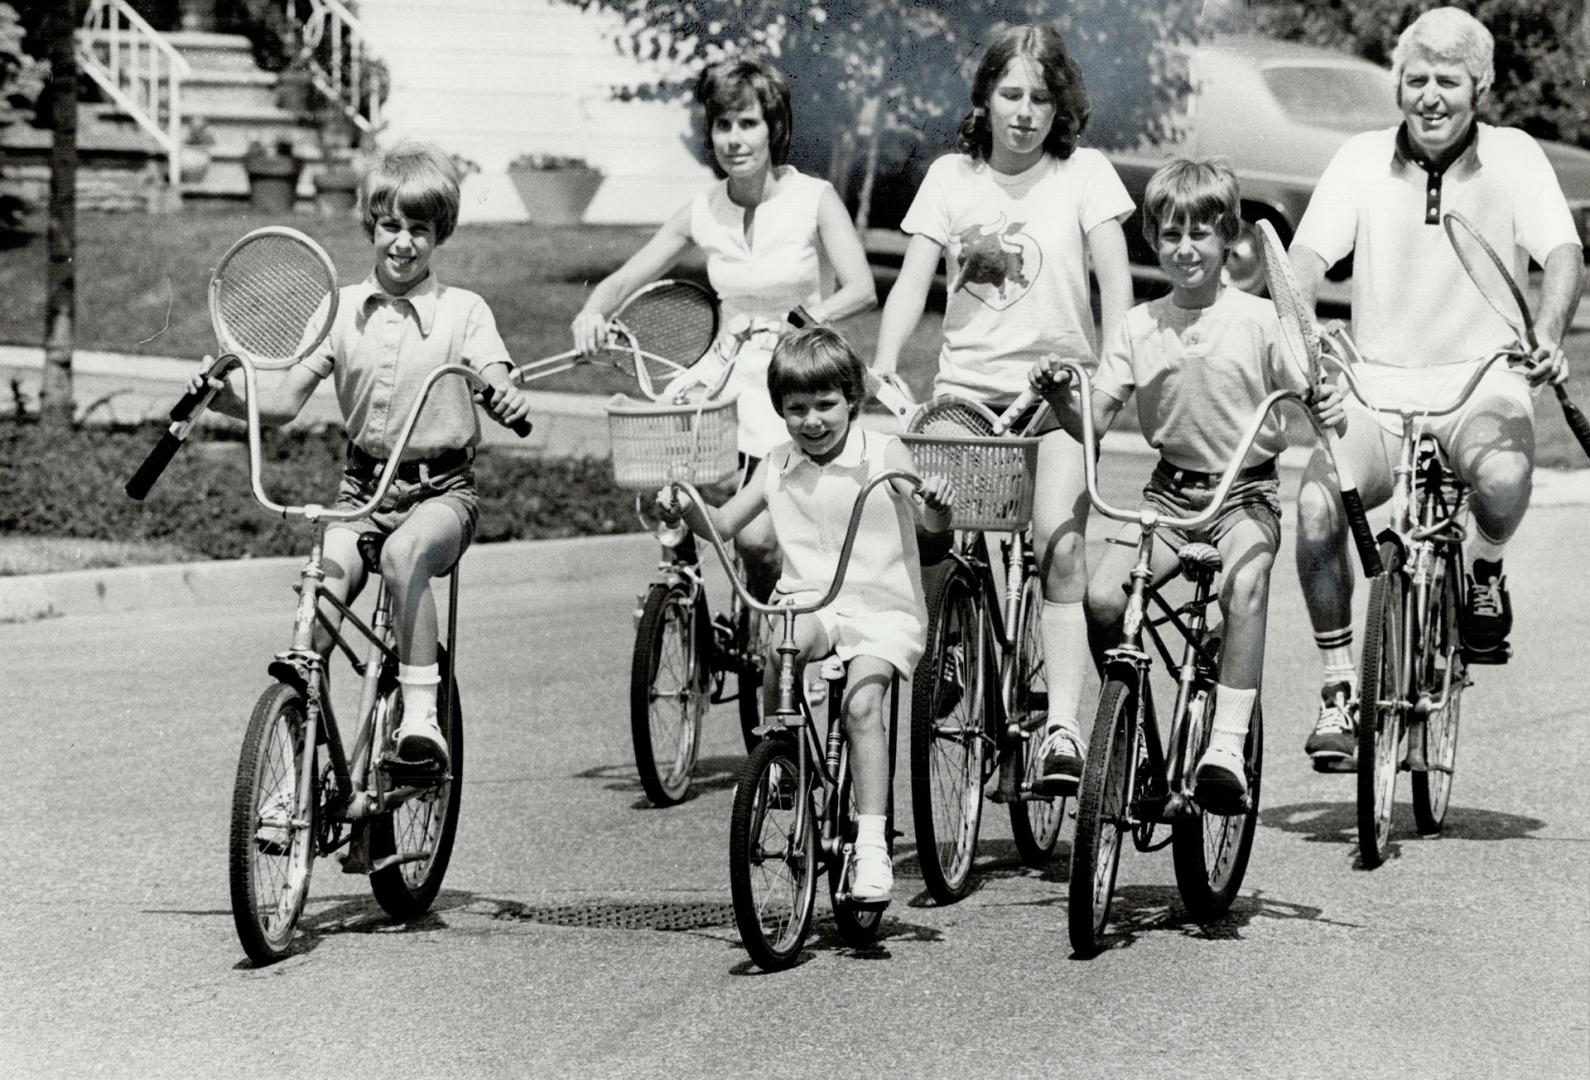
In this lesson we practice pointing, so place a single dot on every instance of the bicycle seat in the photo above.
(370, 544)
(1199, 559)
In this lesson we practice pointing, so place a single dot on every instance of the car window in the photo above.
(1345, 98)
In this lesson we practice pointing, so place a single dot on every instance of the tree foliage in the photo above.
(1542, 50)
(21, 76)
(881, 84)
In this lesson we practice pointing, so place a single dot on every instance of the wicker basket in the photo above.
(650, 441)
(992, 477)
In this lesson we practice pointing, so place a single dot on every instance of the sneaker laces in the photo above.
(1052, 743)
(1485, 598)
(1334, 717)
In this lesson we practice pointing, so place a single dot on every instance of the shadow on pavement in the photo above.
(711, 774)
(1142, 909)
(1337, 823)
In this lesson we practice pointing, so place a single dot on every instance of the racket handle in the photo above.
(1353, 505)
(155, 464)
(1575, 418)
(520, 427)
(194, 400)
(1022, 403)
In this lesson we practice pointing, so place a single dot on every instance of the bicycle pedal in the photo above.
(356, 859)
(413, 773)
(1499, 655)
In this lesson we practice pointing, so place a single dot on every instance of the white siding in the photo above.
(492, 79)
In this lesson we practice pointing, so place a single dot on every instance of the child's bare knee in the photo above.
(864, 711)
(1105, 603)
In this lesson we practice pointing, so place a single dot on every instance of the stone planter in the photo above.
(556, 196)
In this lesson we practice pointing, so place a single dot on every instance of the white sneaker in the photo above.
(422, 740)
(871, 874)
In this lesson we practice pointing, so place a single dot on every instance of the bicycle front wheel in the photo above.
(1035, 820)
(1441, 671)
(1382, 700)
(669, 691)
(415, 838)
(1101, 816)
(1211, 850)
(272, 844)
(947, 744)
(773, 856)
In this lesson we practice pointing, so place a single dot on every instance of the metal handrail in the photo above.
(353, 86)
(127, 38)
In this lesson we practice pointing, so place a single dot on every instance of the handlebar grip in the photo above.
(1353, 505)
(1022, 403)
(154, 465)
(520, 427)
(1575, 419)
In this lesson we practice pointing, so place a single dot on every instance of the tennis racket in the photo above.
(273, 298)
(657, 333)
(1500, 290)
(1301, 337)
(950, 415)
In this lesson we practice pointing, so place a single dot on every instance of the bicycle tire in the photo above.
(672, 643)
(1211, 851)
(421, 830)
(1035, 820)
(1440, 645)
(1101, 815)
(748, 677)
(268, 888)
(860, 925)
(772, 870)
(1381, 693)
(947, 736)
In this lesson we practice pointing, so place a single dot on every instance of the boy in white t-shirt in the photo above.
(1199, 362)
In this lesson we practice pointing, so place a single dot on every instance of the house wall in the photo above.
(492, 79)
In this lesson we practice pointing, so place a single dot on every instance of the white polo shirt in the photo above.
(1413, 304)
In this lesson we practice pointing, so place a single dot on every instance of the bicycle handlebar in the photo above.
(1363, 539)
(1343, 354)
(690, 492)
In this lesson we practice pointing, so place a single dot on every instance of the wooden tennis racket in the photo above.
(273, 298)
(1500, 290)
(1301, 338)
(659, 332)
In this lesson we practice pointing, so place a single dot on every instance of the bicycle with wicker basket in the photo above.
(979, 694)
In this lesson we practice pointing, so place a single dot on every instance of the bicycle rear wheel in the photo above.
(1101, 815)
(773, 855)
(418, 833)
(858, 925)
(669, 690)
(1035, 820)
(1211, 850)
(947, 744)
(1440, 655)
(271, 848)
(1382, 699)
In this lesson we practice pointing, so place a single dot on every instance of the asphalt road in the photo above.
(580, 933)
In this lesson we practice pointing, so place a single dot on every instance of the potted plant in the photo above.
(293, 88)
(555, 189)
(272, 175)
(193, 159)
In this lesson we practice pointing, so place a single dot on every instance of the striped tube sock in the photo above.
(1336, 648)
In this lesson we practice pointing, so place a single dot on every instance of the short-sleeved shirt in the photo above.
(1016, 268)
(1413, 303)
(758, 283)
(1198, 374)
(380, 349)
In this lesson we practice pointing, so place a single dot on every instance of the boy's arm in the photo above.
(278, 405)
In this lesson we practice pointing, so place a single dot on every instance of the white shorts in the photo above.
(894, 636)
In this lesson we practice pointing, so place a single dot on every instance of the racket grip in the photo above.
(1575, 418)
(1353, 505)
(1022, 403)
(192, 401)
(154, 465)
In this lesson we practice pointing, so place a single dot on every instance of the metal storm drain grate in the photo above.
(625, 915)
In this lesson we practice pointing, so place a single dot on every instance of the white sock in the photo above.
(1336, 649)
(1233, 711)
(869, 830)
(1065, 659)
(418, 684)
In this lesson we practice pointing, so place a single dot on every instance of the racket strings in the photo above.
(1486, 271)
(268, 295)
(951, 418)
(677, 323)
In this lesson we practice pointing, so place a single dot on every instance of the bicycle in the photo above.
(794, 810)
(979, 694)
(1414, 666)
(683, 654)
(396, 819)
(1132, 781)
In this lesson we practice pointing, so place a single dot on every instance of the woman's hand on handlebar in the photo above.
(1050, 381)
(590, 331)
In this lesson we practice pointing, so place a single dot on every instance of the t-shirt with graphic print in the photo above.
(1016, 273)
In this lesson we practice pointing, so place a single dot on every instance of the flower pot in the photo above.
(192, 163)
(272, 180)
(336, 190)
(556, 196)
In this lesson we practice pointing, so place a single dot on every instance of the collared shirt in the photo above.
(1413, 303)
(380, 350)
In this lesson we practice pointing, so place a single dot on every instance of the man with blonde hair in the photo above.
(1424, 326)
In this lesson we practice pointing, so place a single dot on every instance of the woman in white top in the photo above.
(777, 243)
(1019, 212)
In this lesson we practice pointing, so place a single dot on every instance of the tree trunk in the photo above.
(60, 301)
(870, 130)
